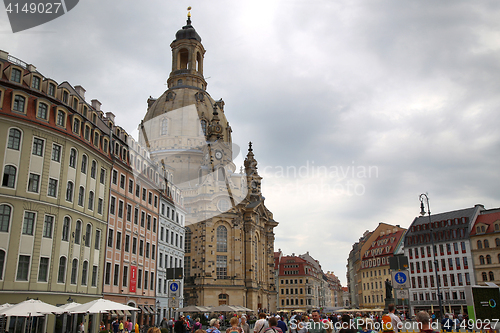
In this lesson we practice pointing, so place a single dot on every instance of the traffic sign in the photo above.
(173, 289)
(173, 302)
(400, 279)
(402, 293)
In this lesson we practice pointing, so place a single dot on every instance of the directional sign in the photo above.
(173, 289)
(400, 279)
(173, 302)
(402, 293)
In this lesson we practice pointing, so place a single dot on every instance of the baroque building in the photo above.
(228, 227)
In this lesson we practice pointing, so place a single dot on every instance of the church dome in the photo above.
(187, 32)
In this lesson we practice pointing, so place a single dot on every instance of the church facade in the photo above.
(229, 240)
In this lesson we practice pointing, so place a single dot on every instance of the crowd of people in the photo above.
(314, 322)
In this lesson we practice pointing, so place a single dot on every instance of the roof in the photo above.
(488, 218)
(187, 32)
(380, 243)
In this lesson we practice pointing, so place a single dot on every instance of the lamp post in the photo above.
(158, 312)
(423, 197)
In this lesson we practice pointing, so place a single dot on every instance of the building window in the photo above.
(164, 124)
(114, 178)
(76, 126)
(78, 232)
(15, 75)
(118, 240)
(130, 186)
(147, 249)
(38, 147)
(94, 276)
(221, 267)
(141, 247)
(112, 206)
(88, 235)
(127, 243)
(139, 278)
(28, 223)
(221, 239)
(33, 182)
(19, 102)
(52, 188)
(107, 273)
(84, 164)
(93, 169)
(81, 196)
(9, 176)
(479, 244)
(66, 229)
(488, 259)
(23, 268)
(69, 192)
(120, 209)
(486, 244)
(152, 284)
(136, 215)
(72, 158)
(42, 111)
(103, 176)
(122, 181)
(85, 272)
(491, 276)
(65, 96)
(47, 226)
(110, 238)
(485, 277)
(2, 263)
(61, 117)
(43, 269)
(97, 243)
(125, 276)
(149, 222)
(14, 139)
(134, 245)
(96, 139)
(116, 274)
(52, 89)
(187, 244)
(56, 153)
(62, 270)
(91, 200)
(35, 83)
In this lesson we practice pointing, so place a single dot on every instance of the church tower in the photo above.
(229, 239)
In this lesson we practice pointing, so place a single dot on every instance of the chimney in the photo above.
(110, 115)
(80, 91)
(4, 55)
(31, 68)
(96, 104)
(151, 101)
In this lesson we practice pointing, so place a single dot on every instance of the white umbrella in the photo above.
(31, 307)
(101, 305)
(5, 306)
(69, 306)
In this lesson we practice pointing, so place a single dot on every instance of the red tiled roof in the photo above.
(488, 219)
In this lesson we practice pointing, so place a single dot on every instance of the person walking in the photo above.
(214, 326)
(243, 324)
(424, 320)
(261, 324)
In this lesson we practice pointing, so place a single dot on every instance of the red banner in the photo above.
(133, 278)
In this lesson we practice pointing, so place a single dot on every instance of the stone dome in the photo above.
(187, 32)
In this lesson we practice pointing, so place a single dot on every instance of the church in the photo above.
(229, 239)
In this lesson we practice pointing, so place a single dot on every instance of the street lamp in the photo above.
(422, 212)
(158, 311)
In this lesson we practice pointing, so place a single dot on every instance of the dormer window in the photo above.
(19, 102)
(85, 111)
(96, 139)
(105, 145)
(52, 89)
(94, 118)
(75, 103)
(87, 133)
(15, 75)
(65, 97)
(42, 111)
(76, 126)
(61, 118)
(35, 83)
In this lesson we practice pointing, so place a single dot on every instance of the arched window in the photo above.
(61, 275)
(187, 242)
(78, 231)
(481, 260)
(256, 251)
(4, 218)
(221, 239)
(91, 200)
(74, 271)
(2, 263)
(163, 127)
(221, 174)
(85, 272)
(88, 235)
(69, 192)
(66, 228)
(486, 244)
(204, 127)
(488, 259)
(9, 176)
(223, 299)
(492, 276)
(497, 242)
(485, 277)
(84, 164)
(479, 244)
(72, 158)
(93, 169)
(14, 141)
(81, 196)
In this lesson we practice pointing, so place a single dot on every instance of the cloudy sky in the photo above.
(354, 107)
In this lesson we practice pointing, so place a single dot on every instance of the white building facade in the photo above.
(171, 238)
